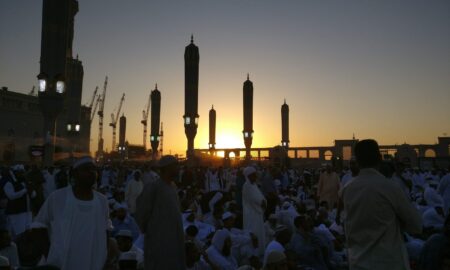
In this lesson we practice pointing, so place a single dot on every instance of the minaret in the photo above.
(122, 133)
(285, 125)
(56, 45)
(248, 116)
(191, 61)
(154, 121)
(212, 129)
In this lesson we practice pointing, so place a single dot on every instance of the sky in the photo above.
(376, 69)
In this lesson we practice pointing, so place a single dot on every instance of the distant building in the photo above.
(22, 125)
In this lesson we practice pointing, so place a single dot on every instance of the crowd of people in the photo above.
(163, 215)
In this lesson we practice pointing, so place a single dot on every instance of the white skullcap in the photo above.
(4, 261)
(286, 205)
(18, 167)
(337, 228)
(274, 256)
(83, 161)
(118, 206)
(248, 171)
(227, 215)
(128, 256)
(125, 233)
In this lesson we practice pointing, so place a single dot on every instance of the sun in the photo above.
(227, 139)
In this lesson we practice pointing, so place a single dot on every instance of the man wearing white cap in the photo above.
(18, 193)
(77, 220)
(253, 203)
(159, 217)
(124, 240)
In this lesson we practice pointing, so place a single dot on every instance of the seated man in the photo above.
(305, 245)
(125, 243)
(8, 248)
(282, 238)
(219, 253)
(276, 260)
(123, 221)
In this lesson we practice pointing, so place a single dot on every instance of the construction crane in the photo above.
(100, 119)
(144, 120)
(113, 123)
(161, 136)
(94, 98)
(93, 111)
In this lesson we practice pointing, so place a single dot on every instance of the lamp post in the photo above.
(51, 101)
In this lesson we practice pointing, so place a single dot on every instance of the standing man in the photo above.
(377, 215)
(133, 189)
(77, 220)
(159, 217)
(254, 203)
(19, 194)
(329, 187)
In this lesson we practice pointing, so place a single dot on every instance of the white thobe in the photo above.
(377, 215)
(77, 230)
(20, 221)
(252, 200)
(134, 189)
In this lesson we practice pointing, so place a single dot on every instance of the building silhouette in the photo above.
(191, 64)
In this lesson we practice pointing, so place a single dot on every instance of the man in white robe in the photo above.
(77, 220)
(377, 215)
(219, 253)
(254, 204)
(133, 190)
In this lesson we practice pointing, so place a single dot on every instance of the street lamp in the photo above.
(51, 100)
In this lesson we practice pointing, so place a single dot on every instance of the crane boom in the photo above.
(93, 97)
(95, 108)
(114, 119)
(100, 119)
(144, 121)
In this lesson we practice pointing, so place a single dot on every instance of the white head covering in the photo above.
(118, 206)
(227, 215)
(432, 198)
(18, 167)
(128, 256)
(249, 170)
(219, 238)
(432, 219)
(125, 233)
(274, 256)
